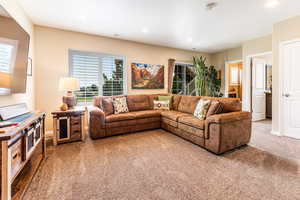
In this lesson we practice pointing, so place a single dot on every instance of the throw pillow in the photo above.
(201, 109)
(161, 105)
(214, 108)
(120, 105)
(166, 98)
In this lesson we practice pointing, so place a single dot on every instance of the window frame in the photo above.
(99, 55)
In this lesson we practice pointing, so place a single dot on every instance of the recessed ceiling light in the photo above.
(145, 30)
(272, 3)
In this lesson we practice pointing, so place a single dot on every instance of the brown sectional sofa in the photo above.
(224, 130)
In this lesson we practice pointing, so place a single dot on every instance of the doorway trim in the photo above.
(227, 75)
(247, 81)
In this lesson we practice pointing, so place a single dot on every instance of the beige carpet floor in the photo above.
(159, 165)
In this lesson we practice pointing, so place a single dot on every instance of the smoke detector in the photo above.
(211, 5)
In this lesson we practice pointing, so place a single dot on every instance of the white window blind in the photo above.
(6, 53)
(98, 74)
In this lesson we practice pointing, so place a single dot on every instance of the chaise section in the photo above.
(227, 131)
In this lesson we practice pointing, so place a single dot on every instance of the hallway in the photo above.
(282, 146)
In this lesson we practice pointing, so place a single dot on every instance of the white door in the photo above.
(258, 89)
(291, 89)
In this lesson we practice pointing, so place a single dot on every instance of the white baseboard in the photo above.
(277, 133)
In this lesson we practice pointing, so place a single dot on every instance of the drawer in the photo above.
(76, 127)
(76, 133)
(16, 157)
(76, 120)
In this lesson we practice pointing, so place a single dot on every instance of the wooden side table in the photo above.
(69, 126)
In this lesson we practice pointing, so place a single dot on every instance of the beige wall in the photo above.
(256, 46)
(51, 51)
(18, 14)
(219, 59)
(283, 31)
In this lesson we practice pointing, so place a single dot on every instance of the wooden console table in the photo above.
(22, 150)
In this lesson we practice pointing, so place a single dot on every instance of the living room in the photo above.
(201, 127)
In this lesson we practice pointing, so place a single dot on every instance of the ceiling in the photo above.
(184, 24)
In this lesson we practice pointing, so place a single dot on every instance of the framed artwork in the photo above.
(147, 76)
(29, 67)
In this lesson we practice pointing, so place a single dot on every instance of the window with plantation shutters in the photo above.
(98, 74)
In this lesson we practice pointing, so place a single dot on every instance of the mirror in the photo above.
(14, 47)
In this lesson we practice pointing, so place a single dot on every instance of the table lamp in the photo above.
(5, 80)
(69, 85)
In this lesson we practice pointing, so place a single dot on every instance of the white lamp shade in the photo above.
(68, 84)
(5, 80)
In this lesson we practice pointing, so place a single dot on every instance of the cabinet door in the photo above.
(63, 128)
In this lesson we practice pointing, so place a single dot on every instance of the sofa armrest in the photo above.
(96, 122)
(228, 117)
(226, 131)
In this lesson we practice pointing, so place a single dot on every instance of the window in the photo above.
(8, 49)
(183, 79)
(98, 74)
(235, 73)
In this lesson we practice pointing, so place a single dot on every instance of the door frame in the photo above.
(280, 87)
(227, 75)
(247, 81)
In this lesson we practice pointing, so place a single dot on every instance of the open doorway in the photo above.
(261, 86)
(233, 79)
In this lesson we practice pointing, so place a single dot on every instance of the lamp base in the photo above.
(70, 101)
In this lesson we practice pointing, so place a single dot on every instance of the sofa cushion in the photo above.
(169, 122)
(120, 124)
(192, 121)
(175, 101)
(188, 104)
(97, 101)
(148, 120)
(173, 115)
(228, 104)
(107, 106)
(146, 114)
(214, 108)
(152, 97)
(191, 130)
(119, 117)
(138, 102)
